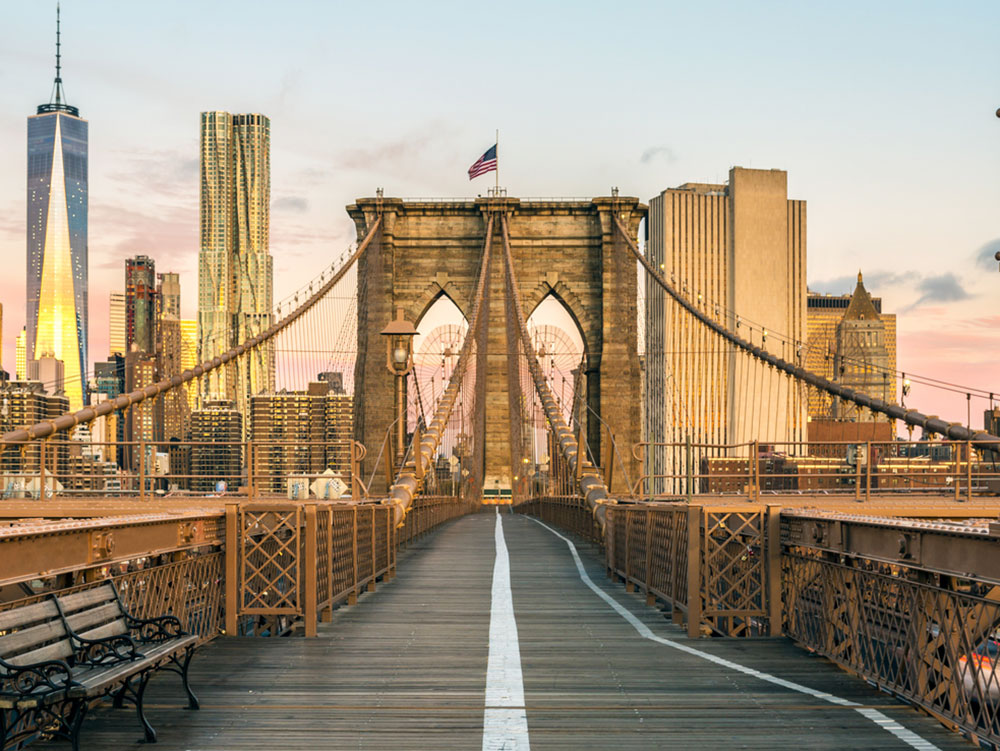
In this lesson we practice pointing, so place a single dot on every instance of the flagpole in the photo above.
(497, 176)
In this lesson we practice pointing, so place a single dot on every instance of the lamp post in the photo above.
(399, 361)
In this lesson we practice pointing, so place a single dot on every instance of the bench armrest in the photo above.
(153, 630)
(106, 651)
(37, 678)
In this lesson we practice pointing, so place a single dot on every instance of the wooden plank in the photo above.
(83, 619)
(86, 599)
(115, 628)
(24, 616)
(58, 651)
(30, 637)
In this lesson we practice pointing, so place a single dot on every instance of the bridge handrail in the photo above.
(70, 420)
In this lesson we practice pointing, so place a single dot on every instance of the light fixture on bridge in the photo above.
(399, 344)
(399, 361)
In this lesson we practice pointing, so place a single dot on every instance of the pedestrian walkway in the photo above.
(412, 664)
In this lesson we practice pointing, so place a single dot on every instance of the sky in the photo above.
(881, 113)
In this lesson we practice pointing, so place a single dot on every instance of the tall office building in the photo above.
(57, 236)
(189, 355)
(235, 274)
(168, 294)
(116, 325)
(20, 356)
(140, 304)
(109, 382)
(738, 251)
(169, 352)
(850, 341)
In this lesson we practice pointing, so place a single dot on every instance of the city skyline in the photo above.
(846, 129)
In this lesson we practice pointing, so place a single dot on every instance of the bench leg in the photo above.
(192, 699)
(118, 699)
(139, 692)
(75, 723)
(180, 666)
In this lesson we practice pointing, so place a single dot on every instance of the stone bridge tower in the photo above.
(567, 248)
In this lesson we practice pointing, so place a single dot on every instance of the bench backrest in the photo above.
(34, 633)
(94, 613)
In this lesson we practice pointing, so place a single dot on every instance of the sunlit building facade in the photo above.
(116, 324)
(189, 356)
(56, 288)
(20, 355)
(235, 272)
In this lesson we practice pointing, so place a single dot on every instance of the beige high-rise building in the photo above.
(189, 355)
(21, 356)
(738, 251)
(235, 272)
(116, 325)
(851, 341)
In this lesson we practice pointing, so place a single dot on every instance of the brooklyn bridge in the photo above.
(526, 539)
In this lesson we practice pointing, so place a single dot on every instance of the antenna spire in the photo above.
(58, 81)
(57, 102)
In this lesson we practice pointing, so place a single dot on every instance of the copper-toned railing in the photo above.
(860, 470)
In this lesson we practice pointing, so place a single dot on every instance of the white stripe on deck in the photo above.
(886, 723)
(505, 724)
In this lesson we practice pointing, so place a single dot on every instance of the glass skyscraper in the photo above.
(235, 272)
(57, 238)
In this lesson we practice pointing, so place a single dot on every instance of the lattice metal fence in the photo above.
(929, 639)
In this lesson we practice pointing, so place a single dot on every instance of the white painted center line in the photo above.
(886, 723)
(505, 723)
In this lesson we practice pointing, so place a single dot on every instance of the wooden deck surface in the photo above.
(406, 668)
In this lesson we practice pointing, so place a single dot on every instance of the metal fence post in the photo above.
(233, 545)
(41, 469)
(956, 455)
(311, 615)
(968, 468)
(352, 598)
(628, 550)
(250, 469)
(142, 470)
(772, 530)
(688, 467)
(694, 572)
(371, 582)
(868, 471)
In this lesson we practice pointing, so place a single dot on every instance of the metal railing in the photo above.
(962, 470)
(296, 469)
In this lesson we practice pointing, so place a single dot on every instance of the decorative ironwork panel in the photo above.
(733, 576)
(270, 560)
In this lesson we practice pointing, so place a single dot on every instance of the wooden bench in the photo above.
(58, 655)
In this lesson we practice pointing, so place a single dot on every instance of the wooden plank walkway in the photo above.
(406, 669)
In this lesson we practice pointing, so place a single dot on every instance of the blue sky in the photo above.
(882, 114)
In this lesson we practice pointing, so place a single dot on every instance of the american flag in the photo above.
(486, 163)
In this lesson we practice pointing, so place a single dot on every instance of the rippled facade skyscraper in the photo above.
(235, 269)
(57, 237)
